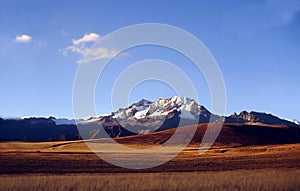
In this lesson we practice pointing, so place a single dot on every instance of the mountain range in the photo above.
(142, 117)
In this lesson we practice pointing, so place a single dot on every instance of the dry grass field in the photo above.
(70, 165)
(229, 180)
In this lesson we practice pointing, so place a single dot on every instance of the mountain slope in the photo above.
(230, 135)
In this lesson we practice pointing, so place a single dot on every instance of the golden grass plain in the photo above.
(71, 165)
(248, 180)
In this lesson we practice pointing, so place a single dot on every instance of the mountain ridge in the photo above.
(141, 117)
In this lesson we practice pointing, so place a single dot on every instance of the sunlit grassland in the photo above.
(228, 180)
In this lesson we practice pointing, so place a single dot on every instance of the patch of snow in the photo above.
(91, 117)
(141, 113)
(26, 117)
(120, 114)
(296, 122)
(186, 114)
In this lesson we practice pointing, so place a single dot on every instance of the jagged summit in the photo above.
(189, 108)
(184, 108)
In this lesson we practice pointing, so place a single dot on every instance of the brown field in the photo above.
(226, 180)
(70, 165)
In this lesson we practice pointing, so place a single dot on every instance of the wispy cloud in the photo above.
(23, 38)
(42, 43)
(255, 16)
(98, 53)
(79, 46)
(87, 38)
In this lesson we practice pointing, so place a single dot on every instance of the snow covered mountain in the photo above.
(187, 107)
(142, 117)
(147, 116)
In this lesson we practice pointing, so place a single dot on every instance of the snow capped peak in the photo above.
(160, 107)
(142, 102)
(296, 122)
(177, 99)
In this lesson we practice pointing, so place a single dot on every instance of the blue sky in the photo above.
(256, 44)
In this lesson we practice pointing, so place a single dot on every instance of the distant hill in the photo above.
(257, 117)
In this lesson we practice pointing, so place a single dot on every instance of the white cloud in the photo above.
(87, 38)
(23, 38)
(98, 53)
(79, 49)
(91, 54)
